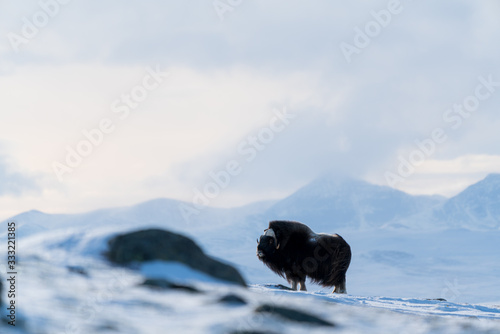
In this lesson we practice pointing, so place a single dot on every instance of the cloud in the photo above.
(227, 76)
(449, 177)
(13, 182)
(314, 143)
(277, 37)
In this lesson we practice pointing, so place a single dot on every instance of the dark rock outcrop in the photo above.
(157, 244)
(278, 286)
(293, 315)
(232, 299)
(78, 270)
(163, 284)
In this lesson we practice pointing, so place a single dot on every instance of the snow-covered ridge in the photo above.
(73, 289)
(325, 204)
(348, 203)
(406, 259)
(478, 206)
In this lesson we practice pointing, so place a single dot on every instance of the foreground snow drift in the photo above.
(68, 287)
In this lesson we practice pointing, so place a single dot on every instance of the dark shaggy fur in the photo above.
(301, 253)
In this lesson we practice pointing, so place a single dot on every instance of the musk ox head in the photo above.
(267, 244)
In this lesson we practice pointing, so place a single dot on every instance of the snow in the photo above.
(388, 289)
(400, 279)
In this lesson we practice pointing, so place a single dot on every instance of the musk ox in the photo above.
(293, 251)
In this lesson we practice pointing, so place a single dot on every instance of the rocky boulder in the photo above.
(293, 315)
(162, 284)
(157, 244)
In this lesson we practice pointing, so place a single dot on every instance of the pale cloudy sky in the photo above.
(277, 93)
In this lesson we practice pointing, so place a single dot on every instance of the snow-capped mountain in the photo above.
(478, 206)
(326, 204)
(172, 214)
(331, 203)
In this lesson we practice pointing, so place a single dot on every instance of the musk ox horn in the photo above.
(270, 233)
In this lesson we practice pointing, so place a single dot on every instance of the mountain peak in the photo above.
(493, 177)
(490, 184)
(475, 207)
(336, 178)
(331, 201)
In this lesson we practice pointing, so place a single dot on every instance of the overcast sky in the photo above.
(117, 102)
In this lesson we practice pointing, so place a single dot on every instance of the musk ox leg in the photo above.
(340, 287)
(295, 284)
(294, 279)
